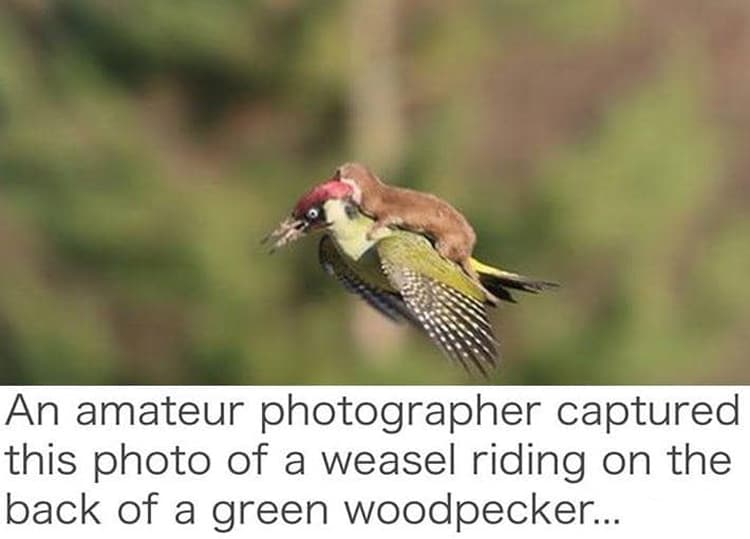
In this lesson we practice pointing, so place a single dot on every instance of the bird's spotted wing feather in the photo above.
(387, 303)
(455, 322)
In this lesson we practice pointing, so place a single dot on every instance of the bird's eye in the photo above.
(312, 214)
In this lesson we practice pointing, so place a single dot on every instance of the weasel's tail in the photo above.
(498, 281)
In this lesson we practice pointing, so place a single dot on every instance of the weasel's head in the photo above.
(358, 177)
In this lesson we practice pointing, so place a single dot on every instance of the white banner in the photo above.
(519, 462)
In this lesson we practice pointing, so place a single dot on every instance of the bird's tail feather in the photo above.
(498, 281)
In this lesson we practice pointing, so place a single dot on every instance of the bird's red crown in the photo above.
(331, 189)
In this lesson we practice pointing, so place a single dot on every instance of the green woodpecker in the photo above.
(401, 274)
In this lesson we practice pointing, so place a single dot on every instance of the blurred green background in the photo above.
(146, 146)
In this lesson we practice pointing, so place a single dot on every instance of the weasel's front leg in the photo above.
(381, 226)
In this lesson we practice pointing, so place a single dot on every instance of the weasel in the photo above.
(427, 214)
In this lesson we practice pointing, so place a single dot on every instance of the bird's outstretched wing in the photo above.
(454, 320)
(387, 303)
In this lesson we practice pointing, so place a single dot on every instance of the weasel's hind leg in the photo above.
(458, 251)
(455, 248)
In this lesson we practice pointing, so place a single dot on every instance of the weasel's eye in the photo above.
(351, 211)
(312, 214)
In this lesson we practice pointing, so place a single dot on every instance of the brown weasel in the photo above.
(420, 212)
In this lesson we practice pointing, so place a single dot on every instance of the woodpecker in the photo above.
(401, 274)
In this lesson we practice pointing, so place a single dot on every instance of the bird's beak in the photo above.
(289, 230)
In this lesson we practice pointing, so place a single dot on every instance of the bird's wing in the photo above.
(387, 303)
(451, 314)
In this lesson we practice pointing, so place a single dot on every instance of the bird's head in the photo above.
(314, 211)
(310, 208)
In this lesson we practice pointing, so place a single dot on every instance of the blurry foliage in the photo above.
(146, 148)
